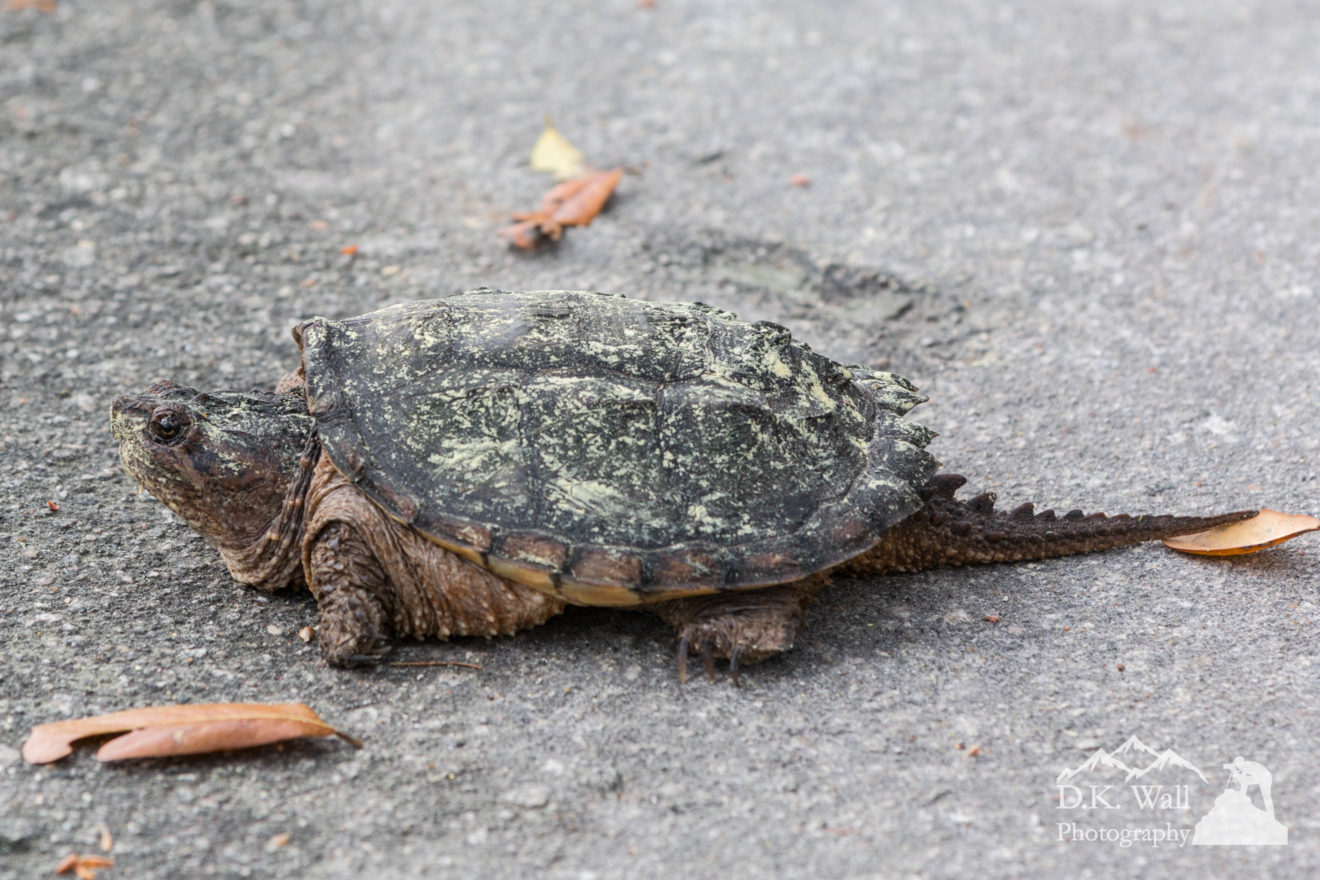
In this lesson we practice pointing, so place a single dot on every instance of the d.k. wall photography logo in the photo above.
(1136, 794)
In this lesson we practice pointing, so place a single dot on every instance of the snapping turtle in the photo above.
(470, 466)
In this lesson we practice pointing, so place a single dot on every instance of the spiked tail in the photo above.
(951, 532)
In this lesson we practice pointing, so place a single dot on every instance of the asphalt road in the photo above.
(1088, 231)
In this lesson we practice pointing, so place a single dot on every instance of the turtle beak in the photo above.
(118, 412)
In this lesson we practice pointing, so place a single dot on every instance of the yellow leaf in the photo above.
(1267, 528)
(555, 154)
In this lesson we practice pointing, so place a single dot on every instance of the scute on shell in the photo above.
(610, 450)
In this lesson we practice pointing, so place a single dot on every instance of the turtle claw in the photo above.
(352, 644)
(367, 651)
(365, 659)
(707, 658)
(712, 649)
(371, 653)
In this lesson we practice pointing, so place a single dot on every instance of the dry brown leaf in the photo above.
(574, 202)
(580, 206)
(1267, 528)
(83, 867)
(554, 153)
(209, 736)
(47, 6)
(179, 730)
(555, 197)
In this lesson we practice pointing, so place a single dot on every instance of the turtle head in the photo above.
(223, 462)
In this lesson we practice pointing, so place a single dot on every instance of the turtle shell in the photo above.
(614, 451)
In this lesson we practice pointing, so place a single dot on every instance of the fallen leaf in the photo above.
(574, 202)
(1265, 529)
(580, 207)
(555, 197)
(107, 841)
(554, 153)
(201, 739)
(46, 6)
(801, 180)
(157, 731)
(53, 505)
(84, 867)
(349, 250)
(278, 840)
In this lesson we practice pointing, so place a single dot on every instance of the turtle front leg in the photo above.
(744, 626)
(350, 587)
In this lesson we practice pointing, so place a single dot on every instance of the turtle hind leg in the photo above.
(742, 626)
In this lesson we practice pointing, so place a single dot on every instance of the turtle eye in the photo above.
(167, 424)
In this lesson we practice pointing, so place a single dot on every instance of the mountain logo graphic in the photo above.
(1138, 762)
(1133, 745)
(1166, 758)
(1099, 758)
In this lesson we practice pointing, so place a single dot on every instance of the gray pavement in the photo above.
(1090, 232)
